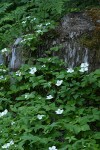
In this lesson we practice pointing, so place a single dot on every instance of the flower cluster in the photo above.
(3, 113)
(58, 112)
(84, 67)
(7, 145)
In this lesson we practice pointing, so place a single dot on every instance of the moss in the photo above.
(92, 40)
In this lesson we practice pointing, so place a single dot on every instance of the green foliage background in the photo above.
(25, 95)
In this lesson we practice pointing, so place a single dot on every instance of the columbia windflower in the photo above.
(70, 70)
(49, 97)
(59, 111)
(7, 145)
(43, 66)
(40, 25)
(39, 31)
(53, 148)
(12, 123)
(34, 18)
(32, 70)
(18, 73)
(3, 113)
(23, 22)
(28, 17)
(48, 23)
(40, 116)
(2, 77)
(22, 41)
(59, 82)
(26, 96)
(84, 67)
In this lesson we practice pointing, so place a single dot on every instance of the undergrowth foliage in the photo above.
(13, 12)
(44, 106)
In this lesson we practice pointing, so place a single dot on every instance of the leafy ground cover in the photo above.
(44, 106)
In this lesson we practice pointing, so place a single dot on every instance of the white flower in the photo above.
(4, 50)
(47, 23)
(40, 25)
(11, 142)
(34, 18)
(7, 145)
(59, 111)
(3, 113)
(24, 40)
(43, 66)
(59, 82)
(29, 38)
(2, 70)
(49, 59)
(28, 17)
(18, 73)
(12, 123)
(70, 70)
(53, 148)
(49, 97)
(40, 116)
(39, 31)
(33, 70)
(26, 96)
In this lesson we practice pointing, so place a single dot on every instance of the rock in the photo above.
(75, 31)
(16, 56)
(1, 59)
